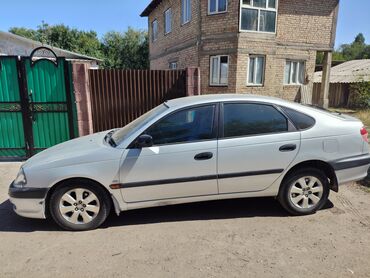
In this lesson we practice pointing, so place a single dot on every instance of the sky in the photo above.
(102, 16)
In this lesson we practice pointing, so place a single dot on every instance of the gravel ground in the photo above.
(234, 238)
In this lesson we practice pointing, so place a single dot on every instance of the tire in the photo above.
(79, 205)
(306, 199)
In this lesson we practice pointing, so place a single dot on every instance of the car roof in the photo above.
(203, 99)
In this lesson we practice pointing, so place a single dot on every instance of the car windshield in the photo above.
(121, 134)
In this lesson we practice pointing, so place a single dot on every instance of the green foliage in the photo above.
(360, 95)
(63, 37)
(128, 50)
(356, 50)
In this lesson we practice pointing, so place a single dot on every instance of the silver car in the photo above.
(196, 149)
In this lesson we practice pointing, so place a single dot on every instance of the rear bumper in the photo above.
(352, 168)
(27, 201)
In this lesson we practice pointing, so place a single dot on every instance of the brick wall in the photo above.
(307, 22)
(303, 27)
(181, 36)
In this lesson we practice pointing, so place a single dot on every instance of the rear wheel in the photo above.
(79, 205)
(304, 191)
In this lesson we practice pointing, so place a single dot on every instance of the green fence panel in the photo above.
(12, 141)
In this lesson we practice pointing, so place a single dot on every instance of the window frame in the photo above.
(221, 132)
(255, 72)
(154, 34)
(183, 12)
(217, 11)
(171, 63)
(215, 126)
(167, 23)
(219, 71)
(286, 112)
(299, 62)
(258, 16)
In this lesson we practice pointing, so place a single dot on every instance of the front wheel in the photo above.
(304, 191)
(79, 206)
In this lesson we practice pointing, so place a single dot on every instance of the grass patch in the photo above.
(363, 115)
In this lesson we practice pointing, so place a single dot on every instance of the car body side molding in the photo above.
(200, 178)
(351, 162)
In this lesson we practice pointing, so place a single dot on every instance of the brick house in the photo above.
(244, 46)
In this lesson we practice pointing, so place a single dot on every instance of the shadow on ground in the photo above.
(224, 209)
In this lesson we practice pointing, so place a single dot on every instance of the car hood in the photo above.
(81, 150)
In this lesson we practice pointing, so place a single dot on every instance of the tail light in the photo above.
(364, 134)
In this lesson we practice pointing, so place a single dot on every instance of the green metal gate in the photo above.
(36, 104)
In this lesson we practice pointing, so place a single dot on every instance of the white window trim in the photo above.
(259, 10)
(169, 10)
(182, 12)
(154, 37)
(219, 70)
(217, 12)
(299, 62)
(255, 72)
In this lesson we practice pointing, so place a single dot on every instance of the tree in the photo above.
(356, 50)
(128, 50)
(84, 42)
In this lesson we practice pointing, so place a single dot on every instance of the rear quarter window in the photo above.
(300, 120)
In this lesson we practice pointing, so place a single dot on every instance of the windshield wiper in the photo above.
(108, 138)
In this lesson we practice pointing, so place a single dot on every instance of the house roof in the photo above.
(11, 44)
(348, 72)
(152, 5)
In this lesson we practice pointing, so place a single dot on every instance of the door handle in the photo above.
(203, 156)
(288, 148)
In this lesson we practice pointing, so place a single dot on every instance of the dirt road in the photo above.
(235, 238)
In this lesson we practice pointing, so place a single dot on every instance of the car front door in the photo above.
(182, 161)
(256, 145)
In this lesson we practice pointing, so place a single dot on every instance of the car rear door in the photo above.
(257, 143)
(182, 161)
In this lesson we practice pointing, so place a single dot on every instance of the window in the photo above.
(185, 11)
(219, 70)
(185, 126)
(294, 72)
(121, 134)
(167, 21)
(300, 120)
(154, 30)
(256, 70)
(258, 15)
(173, 65)
(244, 119)
(217, 6)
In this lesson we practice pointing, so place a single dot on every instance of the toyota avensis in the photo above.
(196, 149)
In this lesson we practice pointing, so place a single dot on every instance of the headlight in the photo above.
(20, 180)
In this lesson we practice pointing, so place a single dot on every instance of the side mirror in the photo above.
(144, 141)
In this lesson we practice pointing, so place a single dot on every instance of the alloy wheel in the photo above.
(306, 192)
(79, 206)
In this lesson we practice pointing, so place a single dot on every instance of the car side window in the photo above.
(300, 120)
(245, 119)
(185, 126)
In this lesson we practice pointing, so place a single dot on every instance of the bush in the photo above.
(360, 95)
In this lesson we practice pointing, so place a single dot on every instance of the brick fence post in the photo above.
(192, 81)
(81, 88)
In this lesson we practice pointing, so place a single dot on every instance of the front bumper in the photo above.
(28, 201)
